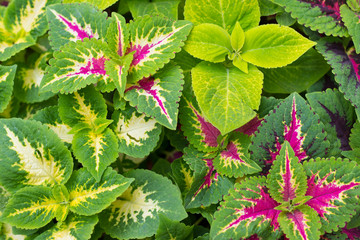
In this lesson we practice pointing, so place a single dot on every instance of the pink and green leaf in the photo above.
(73, 22)
(287, 180)
(251, 127)
(247, 210)
(303, 223)
(118, 35)
(158, 96)
(7, 75)
(334, 185)
(155, 40)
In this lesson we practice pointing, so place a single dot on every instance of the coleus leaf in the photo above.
(267, 8)
(28, 79)
(101, 4)
(72, 22)
(302, 223)
(88, 196)
(117, 35)
(158, 96)
(8, 233)
(85, 109)
(226, 93)
(345, 66)
(32, 155)
(7, 75)
(155, 41)
(321, 16)
(137, 134)
(334, 185)
(287, 180)
(75, 66)
(233, 161)
(183, 175)
(224, 13)
(354, 142)
(247, 210)
(75, 227)
(135, 214)
(169, 229)
(293, 121)
(168, 8)
(351, 21)
(95, 151)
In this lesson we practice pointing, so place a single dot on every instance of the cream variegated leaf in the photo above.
(31, 154)
(7, 74)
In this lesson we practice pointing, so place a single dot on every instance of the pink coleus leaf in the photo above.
(250, 127)
(117, 35)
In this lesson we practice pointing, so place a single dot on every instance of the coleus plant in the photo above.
(111, 130)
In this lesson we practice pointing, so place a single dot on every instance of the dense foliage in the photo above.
(179, 119)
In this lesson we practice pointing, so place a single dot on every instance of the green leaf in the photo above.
(32, 155)
(95, 151)
(237, 37)
(272, 45)
(303, 224)
(351, 21)
(285, 19)
(75, 228)
(101, 4)
(287, 180)
(117, 35)
(85, 109)
(7, 233)
(225, 94)
(135, 214)
(87, 196)
(168, 8)
(241, 64)
(267, 8)
(137, 134)
(297, 76)
(169, 229)
(75, 66)
(224, 13)
(209, 42)
(183, 175)
(33, 207)
(7, 75)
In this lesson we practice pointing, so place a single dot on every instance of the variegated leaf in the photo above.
(287, 180)
(183, 175)
(75, 227)
(117, 35)
(95, 151)
(137, 134)
(28, 79)
(334, 185)
(135, 214)
(293, 121)
(49, 116)
(72, 22)
(247, 210)
(234, 161)
(28, 110)
(158, 96)
(85, 109)
(31, 154)
(7, 75)
(11, 109)
(127, 163)
(303, 223)
(7, 233)
(155, 41)
(75, 66)
(33, 207)
(88, 196)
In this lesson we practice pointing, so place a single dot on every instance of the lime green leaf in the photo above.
(135, 214)
(241, 64)
(74, 228)
(95, 151)
(85, 109)
(169, 229)
(7, 75)
(224, 13)
(209, 42)
(31, 155)
(137, 134)
(272, 45)
(225, 94)
(88, 196)
(168, 8)
(33, 207)
(237, 37)
(101, 4)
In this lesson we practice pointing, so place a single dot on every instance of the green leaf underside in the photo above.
(135, 214)
(76, 21)
(95, 151)
(155, 41)
(322, 17)
(32, 155)
(75, 227)
(85, 109)
(267, 8)
(75, 66)
(224, 13)
(7, 75)
(351, 21)
(272, 45)
(209, 42)
(87, 196)
(101, 4)
(137, 134)
(225, 94)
